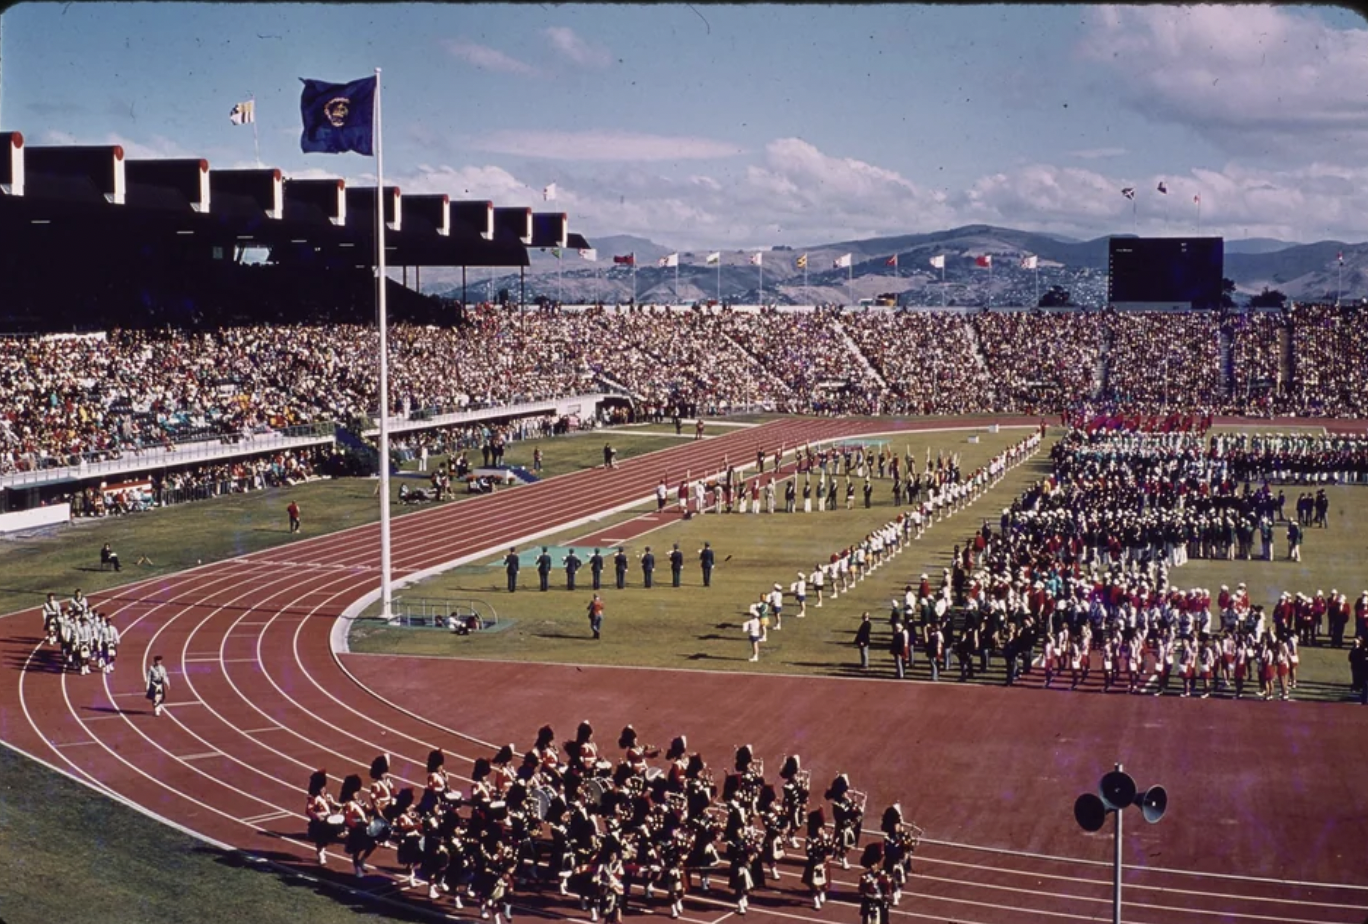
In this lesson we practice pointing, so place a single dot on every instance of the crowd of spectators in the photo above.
(124, 391)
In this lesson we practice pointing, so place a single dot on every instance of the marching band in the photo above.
(86, 638)
(596, 829)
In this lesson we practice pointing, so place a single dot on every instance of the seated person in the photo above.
(109, 557)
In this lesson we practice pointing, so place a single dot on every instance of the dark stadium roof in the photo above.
(93, 196)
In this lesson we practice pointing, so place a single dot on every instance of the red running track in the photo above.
(1268, 802)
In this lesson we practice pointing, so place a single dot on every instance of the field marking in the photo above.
(201, 756)
(74, 744)
(262, 731)
(268, 816)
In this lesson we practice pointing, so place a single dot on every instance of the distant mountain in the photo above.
(1299, 271)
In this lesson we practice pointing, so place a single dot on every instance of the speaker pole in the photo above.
(1116, 866)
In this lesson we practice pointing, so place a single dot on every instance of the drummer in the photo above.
(158, 683)
(325, 818)
(636, 754)
(360, 844)
(381, 793)
(437, 781)
(408, 832)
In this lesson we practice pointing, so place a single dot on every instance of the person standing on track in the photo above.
(511, 568)
(293, 512)
(158, 684)
(707, 559)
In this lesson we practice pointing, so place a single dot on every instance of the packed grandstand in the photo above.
(122, 390)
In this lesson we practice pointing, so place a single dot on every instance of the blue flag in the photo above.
(338, 117)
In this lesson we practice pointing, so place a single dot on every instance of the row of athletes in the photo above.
(594, 828)
(87, 639)
(572, 563)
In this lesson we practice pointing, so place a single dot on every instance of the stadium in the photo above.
(802, 612)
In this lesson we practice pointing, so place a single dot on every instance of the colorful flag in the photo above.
(844, 261)
(1030, 261)
(590, 254)
(1197, 198)
(243, 113)
(714, 258)
(549, 192)
(756, 257)
(892, 261)
(1128, 192)
(626, 260)
(984, 260)
(1162, 188)
(1341, 257)
(671, 260)
(938, 261)
(338, 117)
(555, 252)
(802, 262)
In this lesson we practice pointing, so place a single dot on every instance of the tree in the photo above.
(1227, 293)
(1056, 297)
(1268, 299)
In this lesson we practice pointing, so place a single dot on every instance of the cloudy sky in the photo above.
(738, 126)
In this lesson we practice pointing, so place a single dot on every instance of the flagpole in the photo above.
(386, 608)
(1037, 285)
(719, 279)
(256, 139)
(634, 295)
(760, 265)
(676, 280)
(942, 269)
(806, 293)
(560, 287)
(850, 283)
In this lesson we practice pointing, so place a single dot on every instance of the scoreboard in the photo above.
(1165, 273)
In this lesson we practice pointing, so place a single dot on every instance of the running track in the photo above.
(1268, 801)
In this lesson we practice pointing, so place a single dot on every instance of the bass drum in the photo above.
(593, 791)
(540, 800)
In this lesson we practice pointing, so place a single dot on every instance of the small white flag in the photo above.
(670, 260)
(844, 261)
(756, 257)
(243, 113)
(1030, 262)
(591, 255)
(938, 261)
(549, 193)
(714, 258)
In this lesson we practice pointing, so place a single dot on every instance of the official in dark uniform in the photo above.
(647, 567)
(620, 568)
(676, 565)
(707, 559)
(596, 569)
(572, 564)
(511, 567)
(544, 569)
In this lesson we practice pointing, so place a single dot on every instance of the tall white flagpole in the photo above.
(676, 280)
(256, 139)
(386, 607)
(850, 283)
(760, 262)
(942, 269)
(719, 279)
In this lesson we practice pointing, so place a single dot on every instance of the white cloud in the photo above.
(1257, 80)
(1098, 153)
(603, 146)
(486, 58)
(576, 49)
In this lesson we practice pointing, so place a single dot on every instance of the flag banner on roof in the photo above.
(1030, 261)
(1128, 192)
(891, 261)
(984, 260)
(338, 117)
(802, 262)
(844, 261)
(590, 254)
(938, 261)
(626, 259)
(714, 257)
(1163, 188)
(556, 252)
(549, 192)
(670, 260)
(756, 257)
(243, 113)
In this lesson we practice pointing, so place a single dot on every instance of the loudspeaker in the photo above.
(1153, 803)
(1117, 789)
(1090, 813)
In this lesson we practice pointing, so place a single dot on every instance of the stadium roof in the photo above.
(71, 196)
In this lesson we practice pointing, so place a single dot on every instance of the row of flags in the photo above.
(1129, 192)
(845, 261)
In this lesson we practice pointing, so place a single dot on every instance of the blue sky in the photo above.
(736, 126)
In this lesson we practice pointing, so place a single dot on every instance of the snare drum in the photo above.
(377, 829)
(603, 768)
(653, 774)
(541, 801)
(593, 791)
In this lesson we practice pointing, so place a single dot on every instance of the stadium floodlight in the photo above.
(1114, 793)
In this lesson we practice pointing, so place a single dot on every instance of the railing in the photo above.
(431, 418)
(457, 615)
(80, 466)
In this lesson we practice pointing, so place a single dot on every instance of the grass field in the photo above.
(68, 854)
